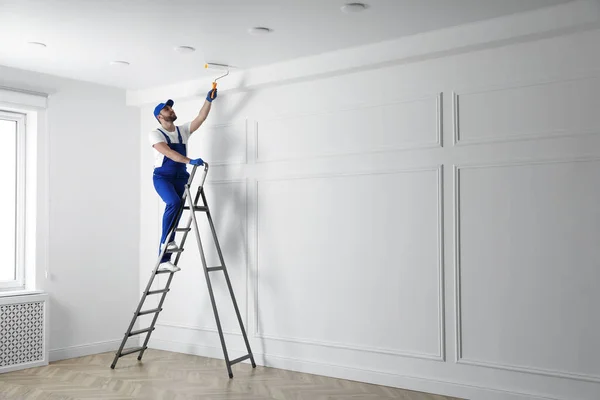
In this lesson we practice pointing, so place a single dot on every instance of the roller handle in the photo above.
(212, 94)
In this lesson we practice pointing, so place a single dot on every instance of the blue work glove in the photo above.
(197, 161)
(210, 93)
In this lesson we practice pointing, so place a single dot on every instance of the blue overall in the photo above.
(169, 181)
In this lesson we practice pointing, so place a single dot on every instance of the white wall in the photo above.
(427, 224)
(93, 173)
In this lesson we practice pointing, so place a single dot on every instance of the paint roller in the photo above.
(217, 67)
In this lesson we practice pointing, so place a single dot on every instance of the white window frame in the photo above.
(19, 283)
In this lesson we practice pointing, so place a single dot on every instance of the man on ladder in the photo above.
(172, 182)
(170, 172)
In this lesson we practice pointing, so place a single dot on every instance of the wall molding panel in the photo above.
(458, 301)
(264, 135)
(440, 356)
(529, 98)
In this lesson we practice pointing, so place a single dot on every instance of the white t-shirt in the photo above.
(157, 137)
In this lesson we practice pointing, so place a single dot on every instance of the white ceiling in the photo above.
(83, 36)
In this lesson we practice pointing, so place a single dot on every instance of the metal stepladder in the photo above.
(194, 207)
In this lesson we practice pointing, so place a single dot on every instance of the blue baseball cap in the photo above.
(161, 106)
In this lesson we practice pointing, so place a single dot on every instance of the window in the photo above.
(12, 200)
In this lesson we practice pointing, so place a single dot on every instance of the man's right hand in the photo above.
(197, 161)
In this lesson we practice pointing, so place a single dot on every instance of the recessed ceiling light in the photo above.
(119, 63)
(259, 30)
(37, 44)
(185, 49)
(354, 7)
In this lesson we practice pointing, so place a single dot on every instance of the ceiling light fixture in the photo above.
(185, 49)
(354, 7)
(37, 44)
(259, 30)
(119, 63)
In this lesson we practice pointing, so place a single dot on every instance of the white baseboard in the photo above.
(354, 374)
(19, 367)
(198, 350)
(84, 350)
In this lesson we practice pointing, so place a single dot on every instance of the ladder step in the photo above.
(133, 333)
(174, 251)
(131, 351)
(153, 311)
(197, 208)
(237, 360)
(158, 291)
(215, 269)
(163, 271)
(183, 229)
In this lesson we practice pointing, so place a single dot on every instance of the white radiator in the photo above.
(23, 332)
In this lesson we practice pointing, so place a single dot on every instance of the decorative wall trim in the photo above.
(168, 324)
(457, 272)
(22, 97)
(201, 350)
(432, 145)
(386, 378)
(441, 310)
(522, 136)
(377, 377)
(440, 120)
(352, 347)
(84, 350)
(457, 292)
(531, 370)
(455, 120)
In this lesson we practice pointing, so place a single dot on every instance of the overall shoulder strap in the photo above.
(179, 134)
(166, 136)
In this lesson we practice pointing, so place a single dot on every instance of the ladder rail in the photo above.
(186, 195)
(187, 226)
(151, 280)
(170, 279)
(173, 226)
(137, 310)
(210, 291)
(228, 281)
(155, 317)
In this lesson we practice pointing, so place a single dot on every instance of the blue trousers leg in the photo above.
(171, 191)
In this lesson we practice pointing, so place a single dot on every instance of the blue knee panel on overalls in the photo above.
(169, 181)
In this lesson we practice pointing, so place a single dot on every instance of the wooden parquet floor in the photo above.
(173, 376)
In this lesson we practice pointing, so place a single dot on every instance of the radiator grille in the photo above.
(21, 333)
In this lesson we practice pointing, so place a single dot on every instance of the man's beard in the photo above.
(171, 118)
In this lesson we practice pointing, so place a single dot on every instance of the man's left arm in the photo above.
(203, 114)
